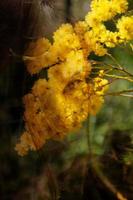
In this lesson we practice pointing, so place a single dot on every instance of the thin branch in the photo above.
(121, 93)
(110, 66)
(119, 77)
(114, 59)
(126, 95)
(107, 182)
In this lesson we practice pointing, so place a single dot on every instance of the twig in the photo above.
(106, 182)
(119, 77)
(121, 69)
(119, 92)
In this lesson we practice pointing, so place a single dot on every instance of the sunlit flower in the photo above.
(58, 105)
(125, 26)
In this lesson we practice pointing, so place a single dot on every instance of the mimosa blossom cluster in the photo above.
(59, 104)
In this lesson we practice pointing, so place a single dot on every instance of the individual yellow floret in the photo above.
(37, 55)
(125, 27)
(120, 6)
(96, 91)
(26, 143)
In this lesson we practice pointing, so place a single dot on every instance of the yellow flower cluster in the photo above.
(104, 10)
(90, 35)
(98, 37)
(43, 54)
(60, 104)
